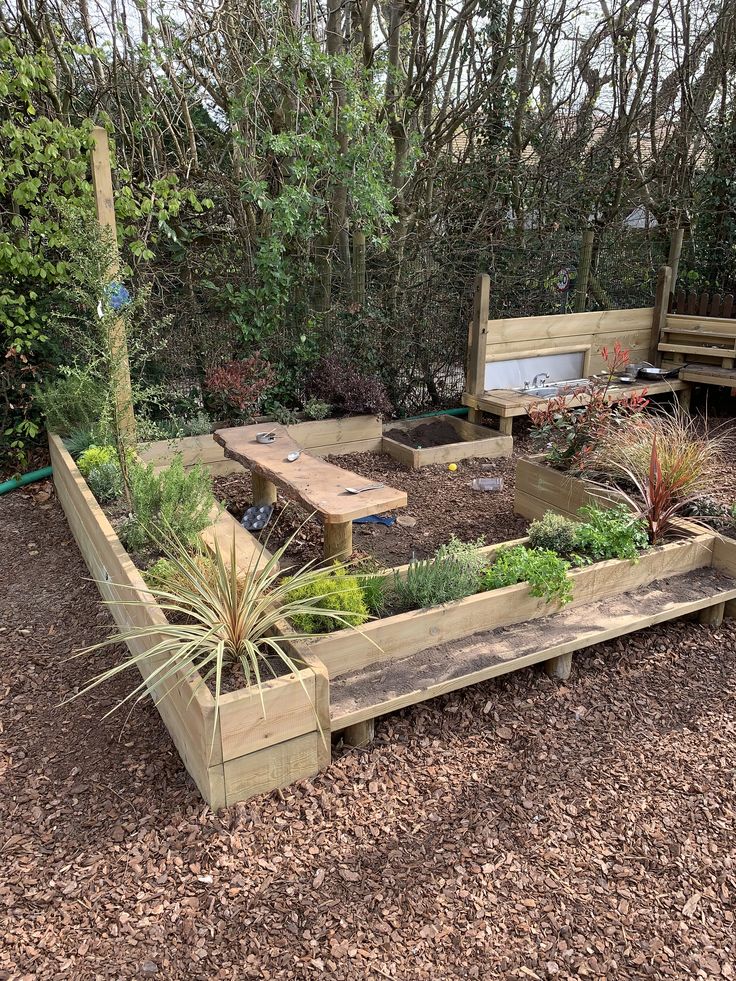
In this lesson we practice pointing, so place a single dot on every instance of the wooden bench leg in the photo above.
(338, 541)
(475, 416)
(683, 397)
(360, 734)
(506, 425)
(729, 608)
(712, 615)
(560, 667)
(264, 492)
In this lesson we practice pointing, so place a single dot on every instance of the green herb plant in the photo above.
(609, 533)
(95, 456)
(451, 574)
(543, 569)
(106, 481)
(175, 499)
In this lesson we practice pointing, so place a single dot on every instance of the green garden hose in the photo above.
(27, 478)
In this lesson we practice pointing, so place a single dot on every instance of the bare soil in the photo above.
(429, 434)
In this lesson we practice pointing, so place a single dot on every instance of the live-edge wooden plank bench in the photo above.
(318, 485)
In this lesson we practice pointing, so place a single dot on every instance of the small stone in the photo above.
(149, 968)
(406, 521)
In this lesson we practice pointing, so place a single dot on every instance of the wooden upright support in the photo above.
(659, 317)
(581, 280)
(117, 340)
(712, 615)
(560, 667)
(673, 259)
(476, 360)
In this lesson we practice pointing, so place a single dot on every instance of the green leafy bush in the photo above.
(283, 415)
(106, 481)
(95, 456)
(174, 501)
(74, 401)
(317, 409)
(335, 591)
(451, 574)
(545, 572)
(610, 533)
(554, 533)
(78, 441)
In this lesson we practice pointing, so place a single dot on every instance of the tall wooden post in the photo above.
(673, 259)
(475, 365)
(581, 280)
(117, 340)
(659, 317)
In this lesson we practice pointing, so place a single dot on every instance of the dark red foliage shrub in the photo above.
(344, 386)
(239, 386)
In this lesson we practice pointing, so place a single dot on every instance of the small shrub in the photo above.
(317, 409)
(545, 572)
(343, 385)
(283, 415)
(451, 574)
(74, 401)
(335, 590)
(106, 481)
(554, 533)
(95, 456)
(239, 386)
(175, 427)
(375, 596)
(174, 501)
(78, 441)
(610, 533)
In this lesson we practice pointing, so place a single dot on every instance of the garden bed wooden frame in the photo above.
(252, 753)
(540, 488)
(473, 442)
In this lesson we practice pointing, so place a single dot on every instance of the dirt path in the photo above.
(520, 829)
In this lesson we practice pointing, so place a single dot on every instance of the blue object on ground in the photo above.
(375, 519)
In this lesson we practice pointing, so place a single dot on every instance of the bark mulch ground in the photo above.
(521, 829)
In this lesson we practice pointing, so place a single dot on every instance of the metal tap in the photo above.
(544, 375)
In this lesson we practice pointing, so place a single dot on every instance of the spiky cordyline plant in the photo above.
(224, 617)
(662, 495)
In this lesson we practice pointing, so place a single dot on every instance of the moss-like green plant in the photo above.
(544, 570)
(106, 481)
(334, 590)
(174, 500)
(609, 533)
(553, 532)
(95, 456)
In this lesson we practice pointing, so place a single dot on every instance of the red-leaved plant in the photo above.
(663, 495)
(567, 430)
(239, 386)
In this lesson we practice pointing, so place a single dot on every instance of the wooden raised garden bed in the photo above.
(541, 488)
(458, 440)
(353, 677)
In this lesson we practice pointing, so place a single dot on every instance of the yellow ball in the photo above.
(452, 467)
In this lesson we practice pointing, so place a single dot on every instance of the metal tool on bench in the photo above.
(359, 490)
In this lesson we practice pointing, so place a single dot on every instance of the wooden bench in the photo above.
(705, 346)
(582, 335)
(318, 485)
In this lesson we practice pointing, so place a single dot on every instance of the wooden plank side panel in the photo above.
(269, 769)
(721, 325)
(408, 633)
(186, 709)
(554, 327)
(472, 442)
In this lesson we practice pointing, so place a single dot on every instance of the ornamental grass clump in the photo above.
(219, 618)
(690, 459)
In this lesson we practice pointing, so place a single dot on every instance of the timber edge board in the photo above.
(474, 442)
(249, 753)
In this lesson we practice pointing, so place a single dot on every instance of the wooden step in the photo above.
(709, 375)
(247, 547)
(391, 685)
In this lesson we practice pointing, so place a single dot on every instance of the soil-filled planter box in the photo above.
(541, 488)
(465, 441)
(253, 751)
(352, 434)
(399, 636)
